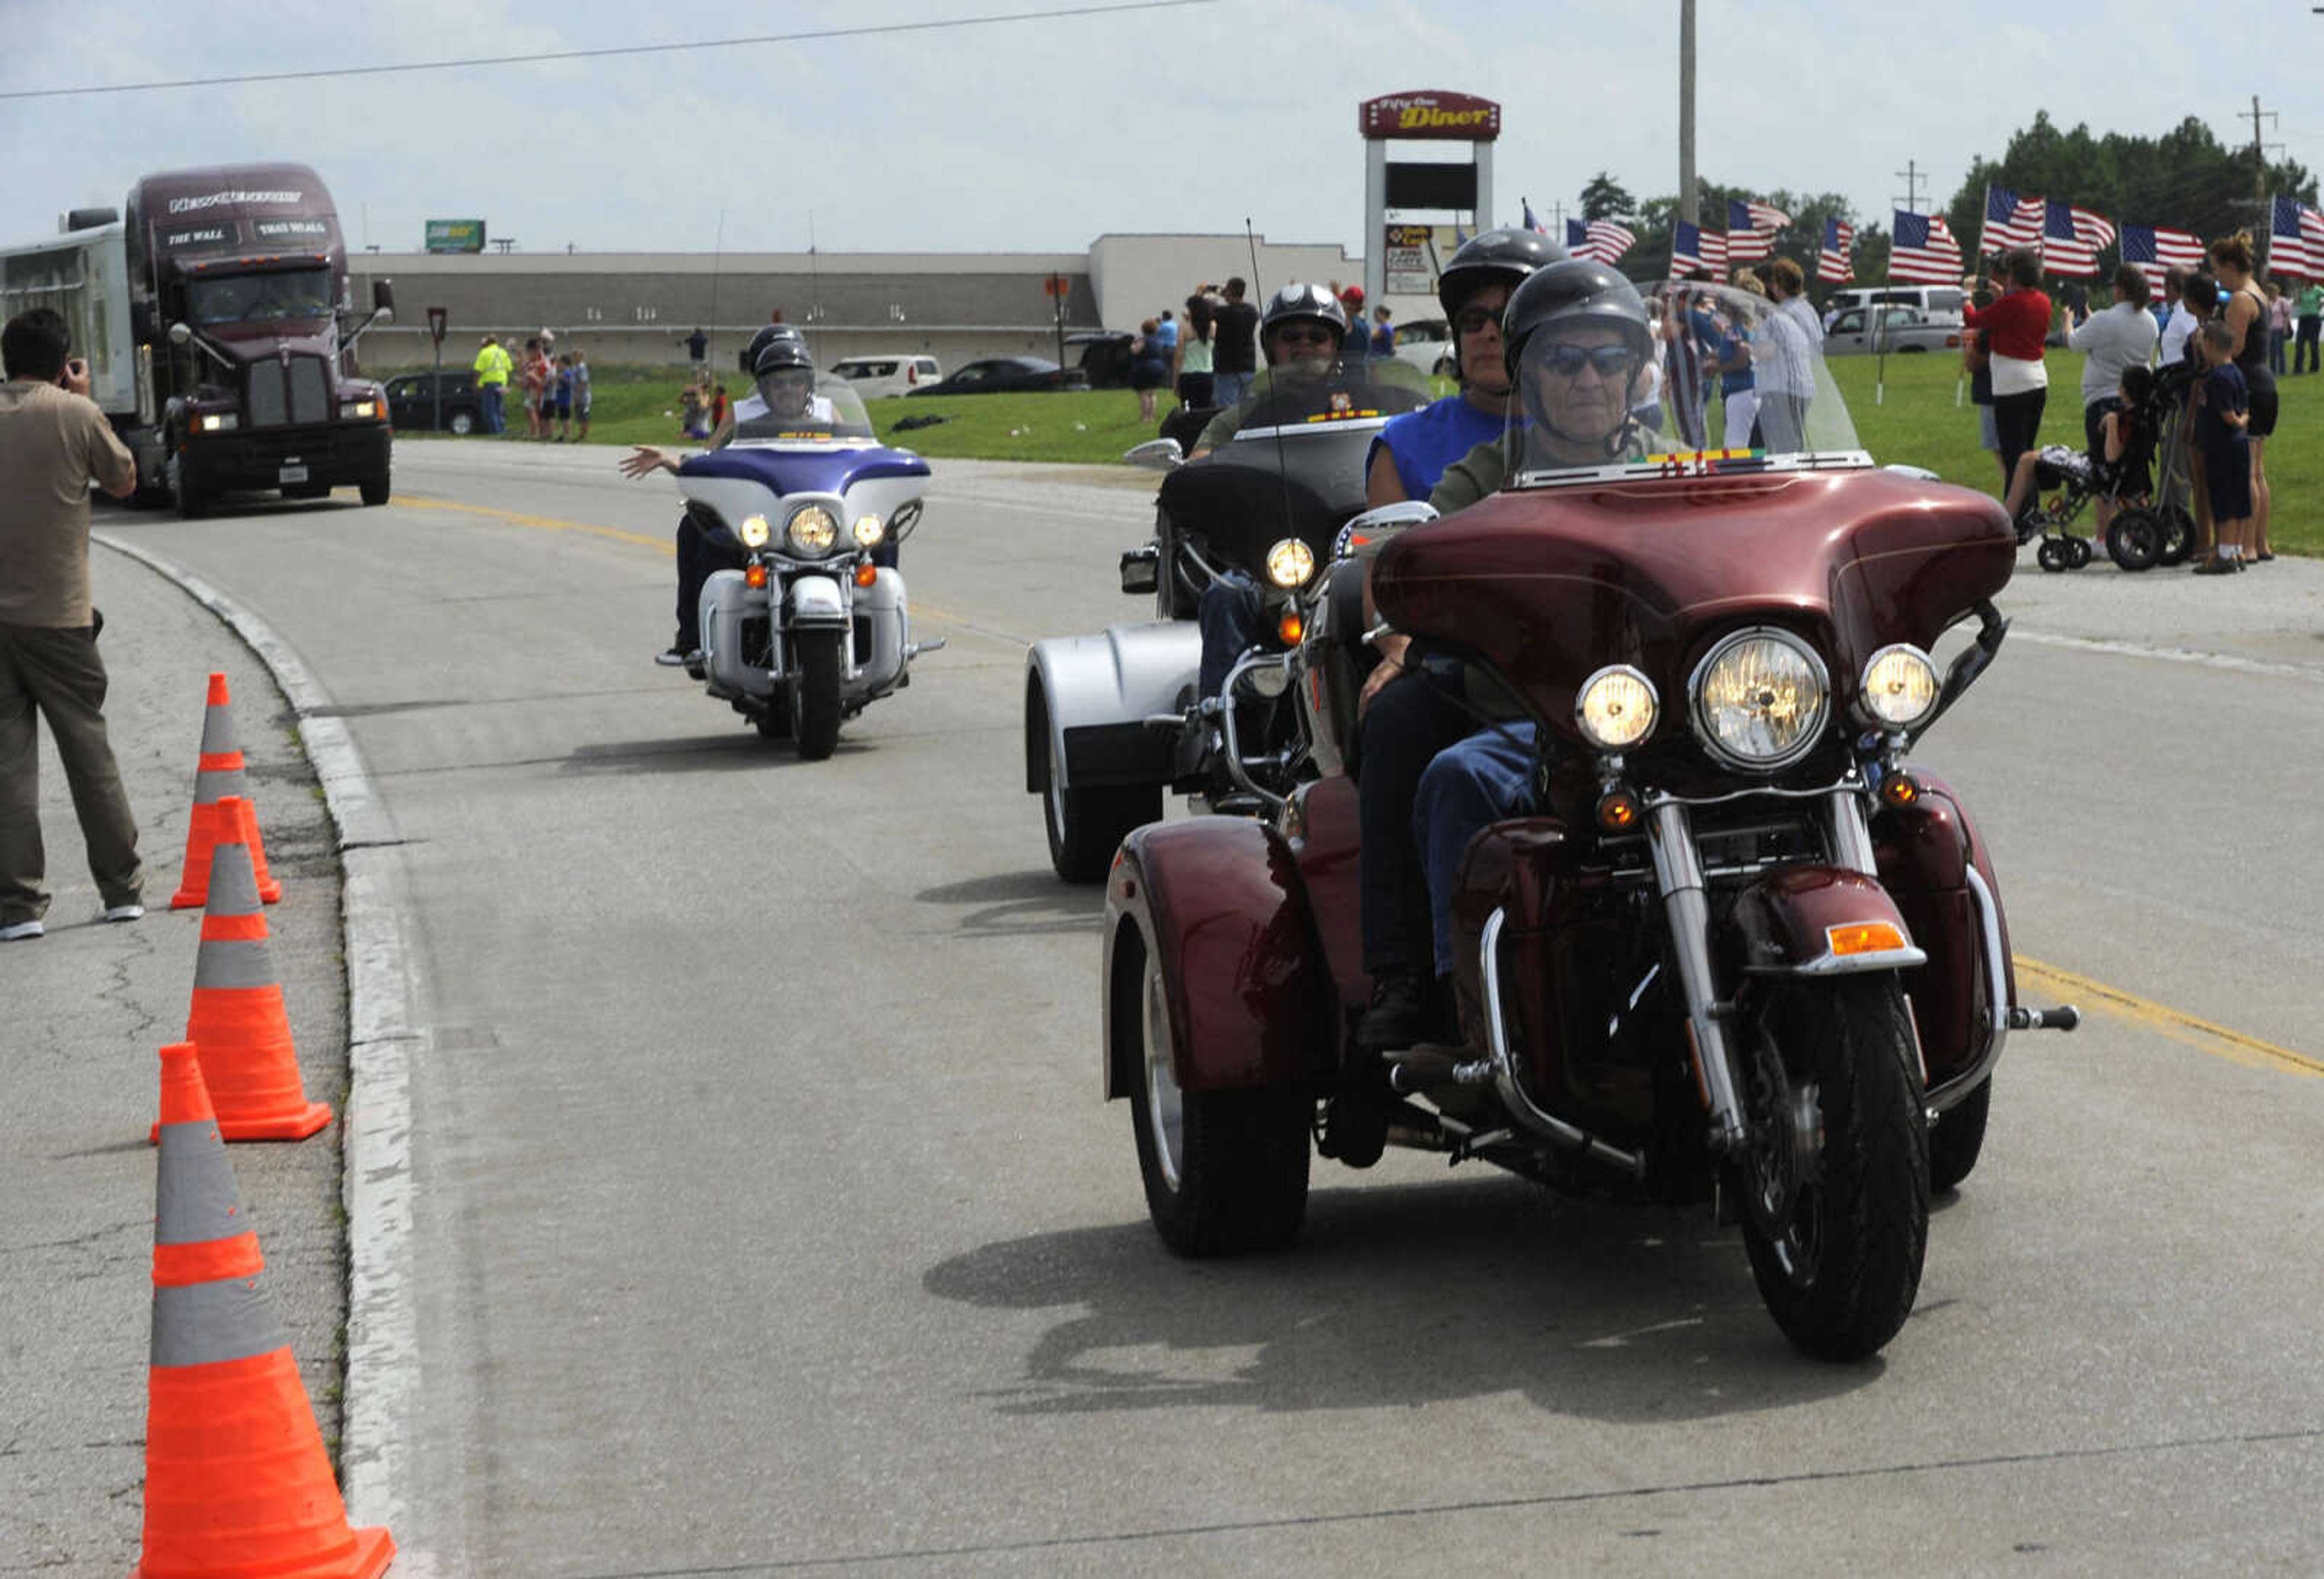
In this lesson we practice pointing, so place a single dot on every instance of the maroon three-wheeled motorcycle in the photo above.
(1743, 953)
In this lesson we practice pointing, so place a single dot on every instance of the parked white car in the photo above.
(1426, 343)
(876, 377)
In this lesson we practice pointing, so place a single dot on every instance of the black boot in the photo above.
(1399, 1016)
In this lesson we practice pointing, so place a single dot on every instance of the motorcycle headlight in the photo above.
(753, 532)
(1616, 708)
(812, 530)
(1289, 563)
(1760, 698)
(869, 531)
(1900, 687)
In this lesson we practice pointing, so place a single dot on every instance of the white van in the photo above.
(875, 378)
(1937, 304)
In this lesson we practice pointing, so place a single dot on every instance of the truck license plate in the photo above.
(292, 473)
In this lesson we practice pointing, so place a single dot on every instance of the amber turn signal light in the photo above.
(1900, 791)
(755, 578)
(1864, 937)
(866, 573)
(1290, 627)
(1618, 811)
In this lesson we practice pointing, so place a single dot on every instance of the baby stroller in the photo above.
(2139, 537)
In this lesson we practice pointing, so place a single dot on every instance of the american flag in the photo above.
(1755, 215)
(2064, 251)
(1532, 220)
(1602, 241)
(2011, 220)
(1693, 248)
(1747, 242)
(1924, 250)
(1833, 266)
(2295, 239)
(2156, 247)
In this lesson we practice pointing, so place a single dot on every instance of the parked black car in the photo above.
(411, 403)
(1106, 357)
(1006, 375)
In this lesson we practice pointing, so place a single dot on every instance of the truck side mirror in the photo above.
(180, 333)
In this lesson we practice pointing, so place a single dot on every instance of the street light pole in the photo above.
(1687, 205)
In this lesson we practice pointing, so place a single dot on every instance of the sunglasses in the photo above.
(1299, 337)
(1472, 319)
(1610, 361)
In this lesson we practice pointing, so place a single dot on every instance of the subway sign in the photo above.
(455, 235)
(1448, 116)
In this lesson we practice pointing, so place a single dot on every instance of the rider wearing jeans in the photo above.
(1577, 338)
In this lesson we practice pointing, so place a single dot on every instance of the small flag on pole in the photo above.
(1746, 242)
(1833, 263)
(2011, 220)
(1924, 251)
(2064, 251)
(1532, 220)
(1694, 250)
(1761, 216)
(1601, 241)
(2153, 248)
(2295, 239)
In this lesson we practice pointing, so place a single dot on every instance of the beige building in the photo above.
(639, 308)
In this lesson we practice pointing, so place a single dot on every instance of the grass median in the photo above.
(1913, 419)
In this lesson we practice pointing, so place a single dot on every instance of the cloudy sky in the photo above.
(1040, 136)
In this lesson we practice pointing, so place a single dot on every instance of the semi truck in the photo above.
(216, 315)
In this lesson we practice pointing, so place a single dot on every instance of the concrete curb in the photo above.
(382, 1032)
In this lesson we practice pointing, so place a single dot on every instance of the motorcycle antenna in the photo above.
(1282, 462)
(814, 275)
(717, 255)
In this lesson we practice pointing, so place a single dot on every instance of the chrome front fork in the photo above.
(1686, 909)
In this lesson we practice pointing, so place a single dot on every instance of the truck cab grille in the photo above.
(298, 391)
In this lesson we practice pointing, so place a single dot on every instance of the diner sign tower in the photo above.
(1403, 259)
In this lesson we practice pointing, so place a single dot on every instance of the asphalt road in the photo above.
(766, 1215)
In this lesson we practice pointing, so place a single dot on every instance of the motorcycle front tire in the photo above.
(815, 725)
(1840, 1278)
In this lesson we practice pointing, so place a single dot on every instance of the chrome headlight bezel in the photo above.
(869, 531)
(1614, 677)
(811, 530)
(1866, 706)
(754, 531)
(1818, 716)
(1290, 563)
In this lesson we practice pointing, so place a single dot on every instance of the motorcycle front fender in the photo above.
(1820, 921)
(1219, 902)
(815, 603)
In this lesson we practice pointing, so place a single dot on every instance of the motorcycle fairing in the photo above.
(813, 468)
(1219, 903)
(1791, 923)
(1101, 690)
(1640, 572)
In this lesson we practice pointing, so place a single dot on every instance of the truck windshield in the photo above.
(234, 298)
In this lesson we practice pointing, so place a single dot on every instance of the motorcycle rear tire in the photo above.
(1842, 1278)
(816, 726)
(1225, 1171)
(1958, 1137)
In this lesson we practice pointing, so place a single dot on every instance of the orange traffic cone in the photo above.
(217, 775)
(237, 1021)
(237, 1479)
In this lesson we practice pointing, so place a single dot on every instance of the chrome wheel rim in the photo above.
(1165, 1104)
(1056, 799)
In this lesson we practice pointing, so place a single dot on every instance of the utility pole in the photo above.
(1687, 205)
(1913, 180)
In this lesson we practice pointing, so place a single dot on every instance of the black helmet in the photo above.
(1293, 303)
(749, 357)
(780, 352)
(1496, 257)
(1572, 290)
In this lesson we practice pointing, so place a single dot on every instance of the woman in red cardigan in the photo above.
(2015, 329)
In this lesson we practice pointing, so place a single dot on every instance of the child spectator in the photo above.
(581, 393)
(564, 398)
(2115, 462)
(2222, 411)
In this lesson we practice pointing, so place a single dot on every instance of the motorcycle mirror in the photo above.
(1141, 570)
(1368, 533)
(180, 333)
(1155, 454)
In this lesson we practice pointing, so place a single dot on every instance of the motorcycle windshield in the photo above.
(800, 405)
(1301, 396)
(1688, 380)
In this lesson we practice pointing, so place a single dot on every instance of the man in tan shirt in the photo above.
(53, 444)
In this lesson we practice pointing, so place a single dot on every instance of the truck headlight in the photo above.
(869, 531)
(1900, 687)
(358, 411)
(217, 422)
(1289, 563)
(1616, 708)
(753, 532)
(812, 530)
(1760, 698)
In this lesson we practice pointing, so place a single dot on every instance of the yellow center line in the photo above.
(2201, 1034)
(2193, 1032)
(660, 545)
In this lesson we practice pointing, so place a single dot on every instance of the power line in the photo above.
(774, 37)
